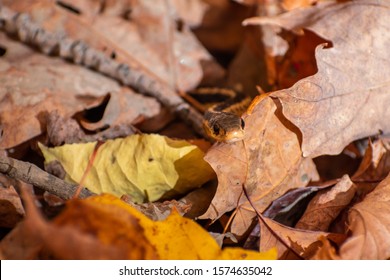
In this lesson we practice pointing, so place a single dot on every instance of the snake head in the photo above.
(224, 127)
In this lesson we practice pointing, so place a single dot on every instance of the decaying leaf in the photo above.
(348, 91)
(302, 243)
(146, 167)
(327, 205)
(268, 162)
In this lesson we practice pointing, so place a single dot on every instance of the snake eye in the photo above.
(216, 129)
(242, 124)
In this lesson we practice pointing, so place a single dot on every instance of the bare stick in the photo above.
(32, 174)
(77, 51)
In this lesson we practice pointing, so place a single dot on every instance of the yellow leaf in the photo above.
(241, 254)
(180, 238)
(146, 167)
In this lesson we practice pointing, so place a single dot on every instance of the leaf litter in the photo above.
(264, 187)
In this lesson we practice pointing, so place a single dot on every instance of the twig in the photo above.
(86, 172)
(261, 218)
(79, 52)
(32, 174)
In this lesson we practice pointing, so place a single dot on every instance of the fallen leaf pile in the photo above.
(309, 180)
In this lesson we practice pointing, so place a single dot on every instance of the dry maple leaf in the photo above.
(268, 162)
(347, 99)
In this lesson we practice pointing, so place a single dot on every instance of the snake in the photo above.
(222, 120)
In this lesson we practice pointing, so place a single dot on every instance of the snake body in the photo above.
(222, 120)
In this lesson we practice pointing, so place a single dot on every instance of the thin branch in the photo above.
(32, 174)
(22, 26)
(261, 218)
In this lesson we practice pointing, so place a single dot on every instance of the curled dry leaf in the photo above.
(349, 90)
(327, 205)
(61, 130)
(375, 165)
(267, 162)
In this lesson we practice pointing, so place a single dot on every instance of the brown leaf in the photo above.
(326, 251)
(140, 33)
(299, 62)
(158, 211)
(268, 162)
(327, 205)
(11, 208)
(369, 222)
(33, 84)
(294, 4)
(348, 90)
(303, 243)
(375, 165)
